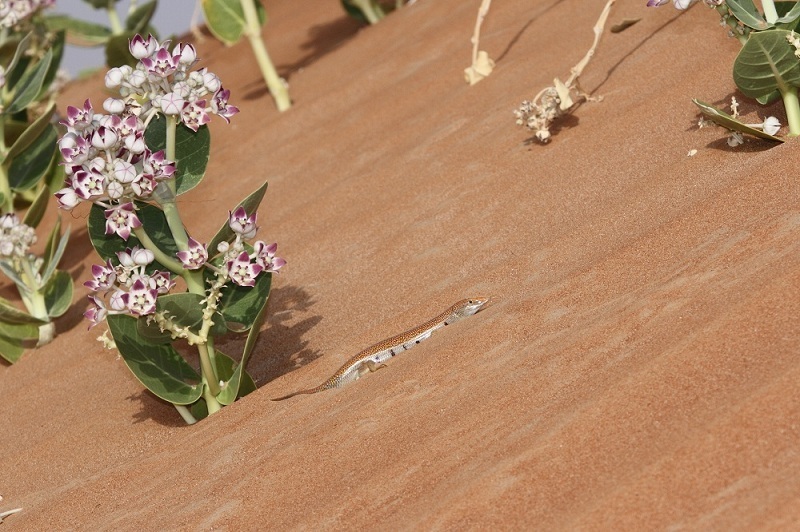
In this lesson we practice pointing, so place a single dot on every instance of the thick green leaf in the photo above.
(138, 20)
(199, 409)
(191, 151)
(28, 168)
(14, 338)
(746, 12)
(21, 48)
(9, 314)
(765, 63)
(118, 52)
(101, 4)
(790, 13)
(57, 47)
(32, 132)
(30, 84)
(241, 305)
(79, 32)
(152, 219)
(36, 211)
(238, 382)
(149, 330)
(772, 97)
(159, 368)
(250, 204)
(225, 19)
(53, 243)
(58, 293)
(727, 121)
(54, 252)
(12, 274)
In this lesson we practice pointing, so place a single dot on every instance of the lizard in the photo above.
(372, 358)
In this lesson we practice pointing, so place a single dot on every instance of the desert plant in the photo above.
(482, 65)
(767, 67)
(561, 98)
(229, 20)
(131, 164)
(29, 59)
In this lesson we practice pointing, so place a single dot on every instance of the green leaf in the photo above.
(54, 253)
(727, 121)
(36, 211)
(57, 47)
(791, 16)
(9, 314)
(118, 52)
(239, 302)
(79, 32)
(238, 382)
(22, 47)
(225, 19)
(765, 63)
(12, 274)
(159, 368)
(13, 340)
(773, 96)
(30, 84)
(149, 330)
(191, 151)
(152, 219)
(746, 12)
(102, 4)
(28, 168)
(140, 17)
(58, 294)
(32, 132)
(250, 204)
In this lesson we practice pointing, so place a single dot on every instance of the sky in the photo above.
(172, 16)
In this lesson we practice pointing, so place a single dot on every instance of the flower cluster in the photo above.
(16, 238)
(162, 82)
(126, 288)
(539, 116)
(238, 264)
(108, 163)
(14, 11)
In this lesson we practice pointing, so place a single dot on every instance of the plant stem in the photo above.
(792, 105)
(366, 7)
(185, 414)
(769, 11)
(275, 84)
(113, 19)
(173, 265)
(209, 371)
(7, 204)
(211, 401)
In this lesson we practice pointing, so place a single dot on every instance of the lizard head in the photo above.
(468, 307)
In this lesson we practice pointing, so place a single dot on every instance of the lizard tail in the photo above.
(310, 390)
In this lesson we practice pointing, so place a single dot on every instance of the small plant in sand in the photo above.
(482, 65)
(229, 20)
(114, 37)
(29, 60)
(562, 98)
(158, 286)
(767, 68)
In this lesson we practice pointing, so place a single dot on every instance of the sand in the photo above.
(638, 368)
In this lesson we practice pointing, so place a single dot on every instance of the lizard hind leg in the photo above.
(369, 365)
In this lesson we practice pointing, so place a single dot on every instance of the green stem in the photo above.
(209, 371)
(33, 299)
(173, 265)
(769, 11)
(366, 7)
(185, 414)
(275, 84)
(7, 204)
(792, 105)
(113, 19)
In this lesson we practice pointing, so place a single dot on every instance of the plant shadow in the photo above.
(322, 40)
(515, 39)
(280, 349)
(749, 111)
